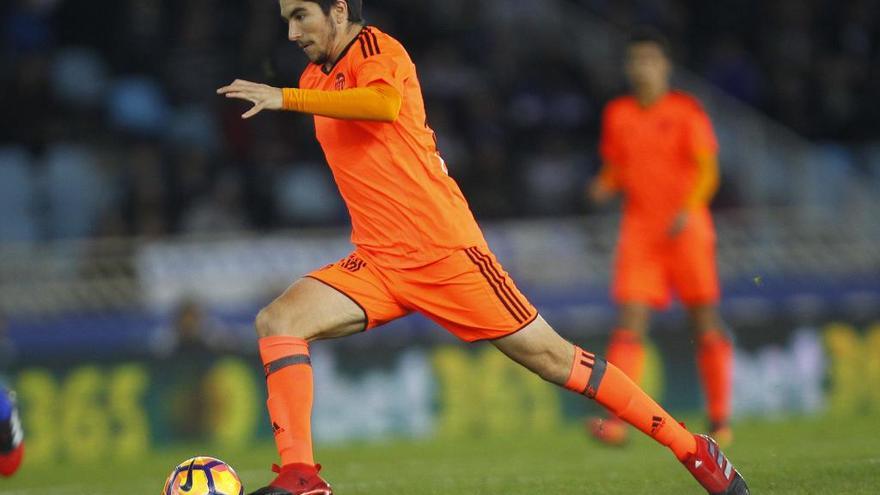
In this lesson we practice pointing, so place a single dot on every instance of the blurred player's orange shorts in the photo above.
(468, 293)
(649, 267)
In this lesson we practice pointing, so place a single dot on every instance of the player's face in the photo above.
(647, 66)
(310, 28)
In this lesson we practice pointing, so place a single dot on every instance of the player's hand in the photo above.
(263, 96)
(598, 193)
(679, 223)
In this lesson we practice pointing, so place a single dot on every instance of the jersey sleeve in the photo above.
(381, 61)
(609, 142)
(701, 136)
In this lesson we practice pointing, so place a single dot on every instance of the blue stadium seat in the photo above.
(77, 192)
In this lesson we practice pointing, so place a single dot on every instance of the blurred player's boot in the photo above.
(722, 433)
(297, 479)
(713, 470)
(610, 431)
(11, 436)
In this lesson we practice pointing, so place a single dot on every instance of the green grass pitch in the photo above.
(795, 456)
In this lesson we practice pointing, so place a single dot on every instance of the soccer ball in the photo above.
(203, 476)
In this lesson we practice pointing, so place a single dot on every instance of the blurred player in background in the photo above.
(659, 150)
(417, 248)
(11, 435)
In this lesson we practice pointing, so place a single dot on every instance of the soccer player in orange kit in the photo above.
(417, 248)
(659, 151)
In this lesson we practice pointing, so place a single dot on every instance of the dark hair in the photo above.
(355, 8)
(649, 34)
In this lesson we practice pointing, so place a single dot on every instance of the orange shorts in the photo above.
(649, 267)
(468, 293)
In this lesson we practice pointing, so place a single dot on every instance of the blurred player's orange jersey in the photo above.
(405, 209)
(652, 153)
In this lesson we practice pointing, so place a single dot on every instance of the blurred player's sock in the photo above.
(625, 350)
(604, 382)
(289, 380)
(715, 362)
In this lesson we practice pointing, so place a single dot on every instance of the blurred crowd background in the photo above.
(114, 129)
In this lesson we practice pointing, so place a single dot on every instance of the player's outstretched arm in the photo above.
(378, 102)
(704, 189)
(707, 181)
(263, 96)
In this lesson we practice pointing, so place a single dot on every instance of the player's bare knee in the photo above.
(264, 322)
(275, 320)
(278, 319)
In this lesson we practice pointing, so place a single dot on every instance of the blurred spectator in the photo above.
(137, 105)
(23, 100)
(191, 345)
(141, 34)
(147, 190)
(219, 211)
(553, 175)
(192, 333)
(78, 78)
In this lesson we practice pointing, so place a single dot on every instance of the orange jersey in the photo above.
(405, 209)
(653, 154)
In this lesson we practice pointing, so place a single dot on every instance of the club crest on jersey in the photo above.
(352, 263)
(340, 81)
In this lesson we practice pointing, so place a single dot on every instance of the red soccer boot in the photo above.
(296, 479)
(713, 470)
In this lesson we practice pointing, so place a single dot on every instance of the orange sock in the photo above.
(289, 380)
(608, 385)
(715, 362)
(625, 350)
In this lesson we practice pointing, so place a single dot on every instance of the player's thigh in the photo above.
(469, 294)
(640, 275)
(693, 269)
(334, 301)
(310, 310)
